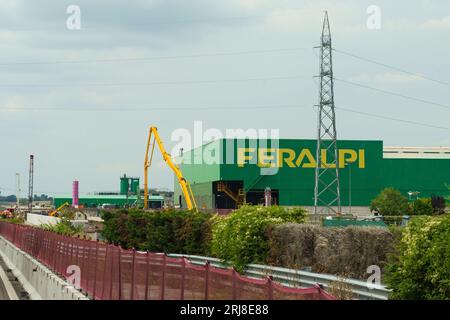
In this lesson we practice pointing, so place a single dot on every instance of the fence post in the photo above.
(132, 273)
(95, 267)
(112, 273)
(54, 245)
(269, 288)
(77, 241)
(65, 259)
(14, 233)
(206, 280)
(104, 272)
(146, 276)
(72, 241)
(163, 277)
(120, 276)
(234, 284)
(183, 276)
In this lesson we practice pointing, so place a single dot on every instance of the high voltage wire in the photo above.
(184, 82)
(181, 21)
(187, 56)
(394, 93)
(393, 119)
(267, 107)
(149, 83)
(205, 108)
(392, 67)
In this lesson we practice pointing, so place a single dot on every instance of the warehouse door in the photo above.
(256, 196)
(227, 194)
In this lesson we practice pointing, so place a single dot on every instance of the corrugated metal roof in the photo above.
(416, 152)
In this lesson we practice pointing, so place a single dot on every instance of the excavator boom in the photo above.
(54, 212)
(185, 188)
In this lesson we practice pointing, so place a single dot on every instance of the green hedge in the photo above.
(420, 269)
(243, 236)
(160, 231)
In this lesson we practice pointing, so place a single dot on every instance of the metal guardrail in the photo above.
(298, 278)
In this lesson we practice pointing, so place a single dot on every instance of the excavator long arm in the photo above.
(185, 188)
(54, 212)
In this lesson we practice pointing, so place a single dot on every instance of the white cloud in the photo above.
(437, 24)
(386, 78)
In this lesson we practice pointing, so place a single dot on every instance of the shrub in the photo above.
(64, 226)
(438, 203)
(421, 206)
(242, 237)
(421, 267)
(159, 231)
(390, 202)
(342, 251)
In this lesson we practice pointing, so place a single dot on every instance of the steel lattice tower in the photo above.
(327, 198)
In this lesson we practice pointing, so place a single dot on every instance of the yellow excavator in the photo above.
(153, 138)
(54, 212)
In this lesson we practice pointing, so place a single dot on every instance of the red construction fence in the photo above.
(109, 272)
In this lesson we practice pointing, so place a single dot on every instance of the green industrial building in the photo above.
(129, 196)
(108, 201)
(224, 172)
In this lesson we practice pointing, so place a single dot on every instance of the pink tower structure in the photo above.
(75, 194)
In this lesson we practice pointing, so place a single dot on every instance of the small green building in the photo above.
(224, 171)
(109, 201)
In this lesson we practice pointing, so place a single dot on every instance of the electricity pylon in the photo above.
(327, 197)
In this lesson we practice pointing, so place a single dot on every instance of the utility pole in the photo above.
(349, 164)
(18, 191)
(30, 184)
(327, 197)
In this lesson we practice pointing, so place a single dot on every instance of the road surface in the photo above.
(7, 290)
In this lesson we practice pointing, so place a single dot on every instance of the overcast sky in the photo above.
(88, 119)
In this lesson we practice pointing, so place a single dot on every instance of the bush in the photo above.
(390, 202)
(64, 227)
(341, 251)
(159, 231)
(421, 206)
(421, 267)
(242, 237)
(438, 203)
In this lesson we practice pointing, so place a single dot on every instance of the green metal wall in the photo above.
(369, 174)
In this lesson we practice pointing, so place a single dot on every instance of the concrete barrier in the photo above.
(39, 281)
(38, 219)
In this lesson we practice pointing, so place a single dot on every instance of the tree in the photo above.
(390, 202)
(243, 236)
(420, 269)
(422, 206)
(438, 204)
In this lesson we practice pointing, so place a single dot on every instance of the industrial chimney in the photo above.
(75, 194)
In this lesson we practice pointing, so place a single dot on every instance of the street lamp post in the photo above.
(349, 164)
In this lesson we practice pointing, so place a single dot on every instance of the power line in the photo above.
(392, 67)
(152, 21)
(206, 108)
(187, 56)
(393, 119)
(394, 94)
(180, 82)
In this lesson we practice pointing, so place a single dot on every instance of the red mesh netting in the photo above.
(109, 272)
